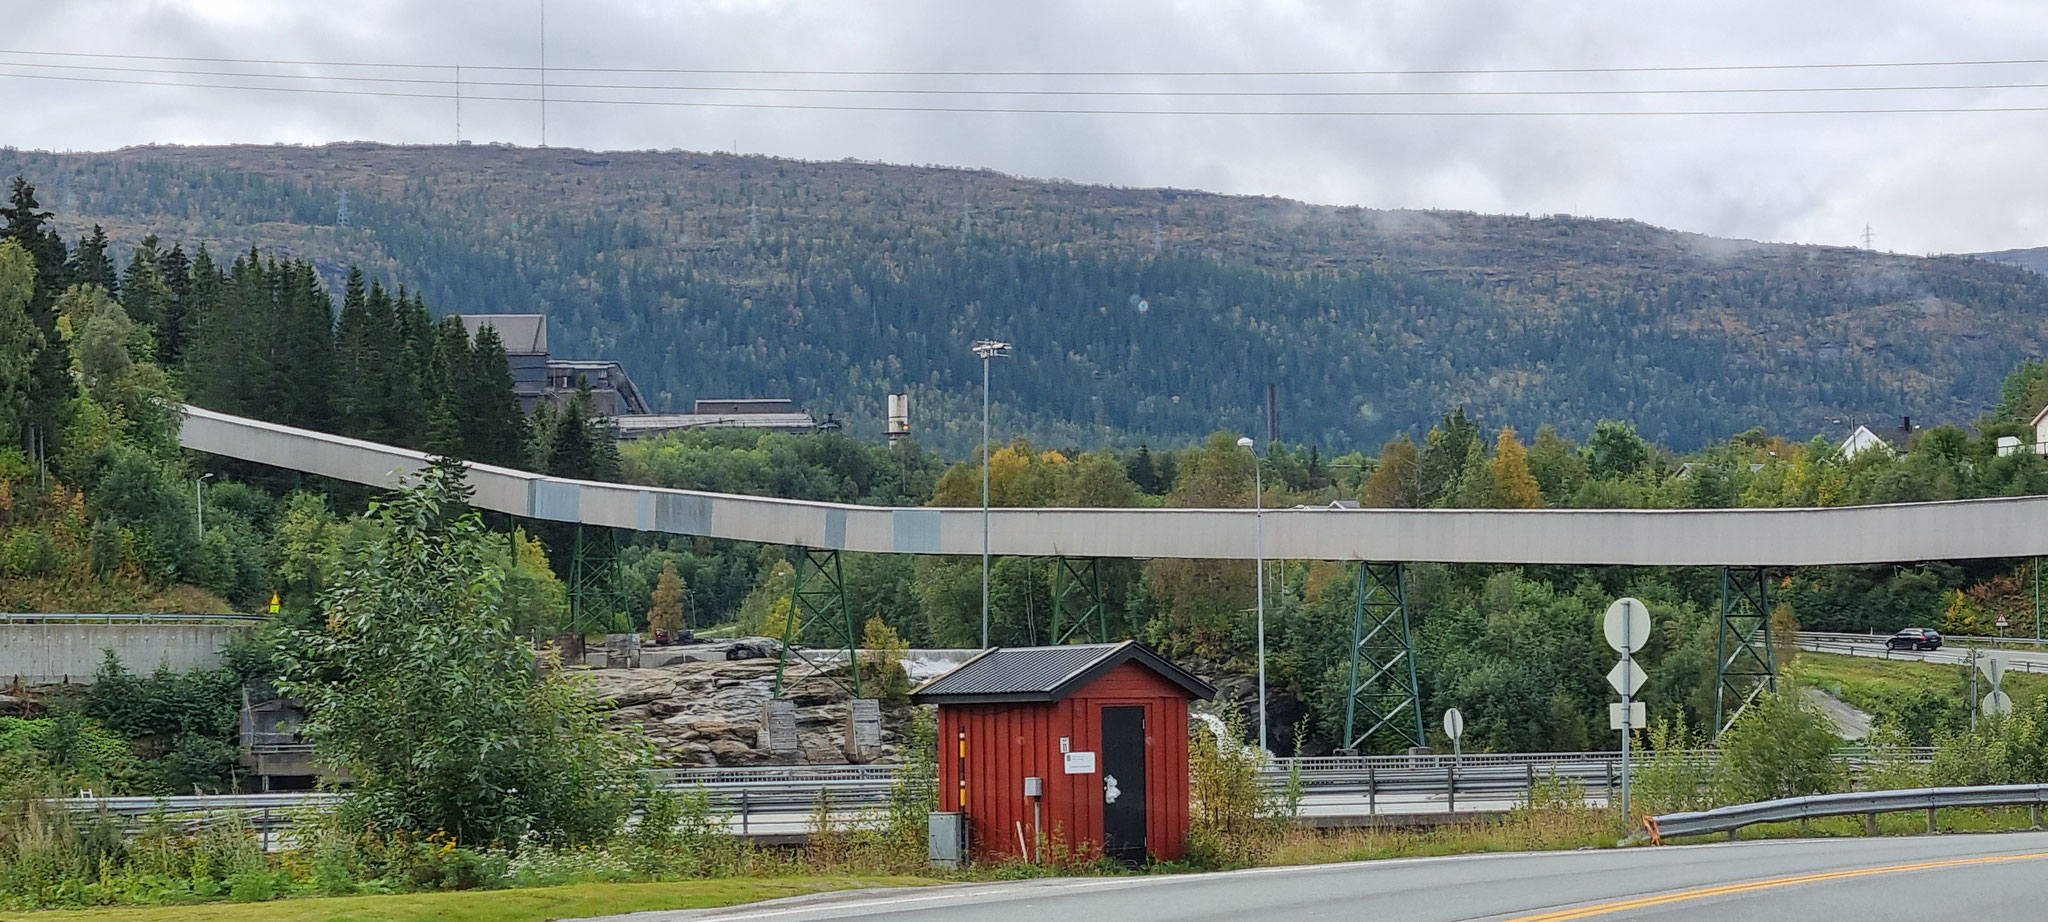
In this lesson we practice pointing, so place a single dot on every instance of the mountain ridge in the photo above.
(836, 282)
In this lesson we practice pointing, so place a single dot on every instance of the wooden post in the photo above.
(1451, 777)
(1931, 830)
(1372, 792)
(1870, 824)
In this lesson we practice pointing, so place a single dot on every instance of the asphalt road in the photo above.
(2017, 660)
(1982, 878)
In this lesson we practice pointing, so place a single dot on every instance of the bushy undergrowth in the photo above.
(1233, 821)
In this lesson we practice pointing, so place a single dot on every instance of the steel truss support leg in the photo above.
(1385, 698)
(1079, 613)
(1747, 666)
(820, 618)
(593, 579)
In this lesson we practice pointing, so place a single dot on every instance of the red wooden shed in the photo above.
(1103, 730)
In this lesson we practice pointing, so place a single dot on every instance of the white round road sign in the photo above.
(1454, 724)
(1627, 625)
(1998, 702)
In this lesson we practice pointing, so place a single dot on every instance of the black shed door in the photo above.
(1123, 783)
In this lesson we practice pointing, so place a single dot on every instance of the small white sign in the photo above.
(1454, 724)
(1080, 763)
(1638, 715)
(1627, 625)
(1998, 702)
(1627, 677)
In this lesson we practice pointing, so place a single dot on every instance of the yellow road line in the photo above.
(1601, 909)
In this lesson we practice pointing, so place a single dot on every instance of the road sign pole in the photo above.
(1626, 713)
(1627, 626)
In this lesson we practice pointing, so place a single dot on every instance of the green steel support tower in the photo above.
(1746, 664)
(819, 615)
(593, 579)
(1384, 694)
(1079, 612)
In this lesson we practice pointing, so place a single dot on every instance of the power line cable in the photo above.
(1476, 71)
(927, 91)
(1303, 113)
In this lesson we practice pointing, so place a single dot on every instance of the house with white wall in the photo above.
(1891, 439)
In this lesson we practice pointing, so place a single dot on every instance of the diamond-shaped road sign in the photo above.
(1994, 669)
(1627, 677)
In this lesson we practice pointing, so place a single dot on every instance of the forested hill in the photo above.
(1138, 314)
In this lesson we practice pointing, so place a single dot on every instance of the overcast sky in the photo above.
(1924, 182)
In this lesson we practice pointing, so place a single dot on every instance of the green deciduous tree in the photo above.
(1781, 746)
(419, 686)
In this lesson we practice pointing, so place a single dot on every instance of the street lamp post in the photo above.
(1259, 517)
(199, 504)
(987, 349)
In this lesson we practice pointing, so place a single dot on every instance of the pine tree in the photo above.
(175, 270)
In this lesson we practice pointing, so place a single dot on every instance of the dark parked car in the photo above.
(1914, 638)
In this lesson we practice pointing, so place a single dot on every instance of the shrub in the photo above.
(2008, 749)
(1672, 778)
(1231, 819)
(1781, 746)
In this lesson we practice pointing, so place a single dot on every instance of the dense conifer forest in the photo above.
(1140, 315)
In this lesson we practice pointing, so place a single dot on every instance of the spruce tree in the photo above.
(304, 347)
(354, 359)
(175, 270)
(91, 264)
(142, 289)
(494, 427)
(50, 386)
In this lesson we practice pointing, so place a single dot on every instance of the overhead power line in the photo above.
(1304, 113)
(930, 91)
(1447, 72)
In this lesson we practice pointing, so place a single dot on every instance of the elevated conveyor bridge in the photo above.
(1744, 542)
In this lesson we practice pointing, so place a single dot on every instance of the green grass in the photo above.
(526, 905)
(1868, 683)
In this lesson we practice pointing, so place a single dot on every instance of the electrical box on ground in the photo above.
(946, 834)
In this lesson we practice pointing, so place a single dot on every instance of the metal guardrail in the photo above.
(133, 618)
(1947, 640)
(1862, 803)
(745, 794)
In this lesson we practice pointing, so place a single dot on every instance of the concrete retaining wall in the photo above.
(50, 652)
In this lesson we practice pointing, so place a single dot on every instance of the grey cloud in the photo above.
(1925, 182)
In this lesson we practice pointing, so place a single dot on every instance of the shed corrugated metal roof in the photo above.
(1047, 673)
